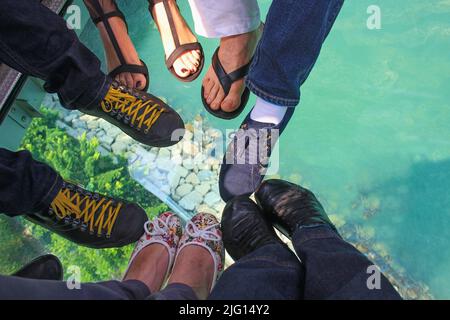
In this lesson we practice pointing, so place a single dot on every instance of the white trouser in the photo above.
(221, 18)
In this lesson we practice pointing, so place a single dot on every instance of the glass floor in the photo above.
(370, 138)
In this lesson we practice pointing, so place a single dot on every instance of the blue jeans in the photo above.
(330, 269)
(36, 42)
(290, 45)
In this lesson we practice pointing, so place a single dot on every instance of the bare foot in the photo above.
(188, 62)
(235, 52)
(150, 267)
(131, 80)
(195, 268)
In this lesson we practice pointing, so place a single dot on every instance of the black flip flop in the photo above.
(124, 66)
(226, 80)
(179, 48)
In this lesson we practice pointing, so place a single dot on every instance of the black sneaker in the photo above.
(140, 115)
(46, 267)
(247, 158)
(289, 206)
(91, 219)
(244, 228)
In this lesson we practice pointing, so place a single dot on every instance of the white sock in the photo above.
(267, 112)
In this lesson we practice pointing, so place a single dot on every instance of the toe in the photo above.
(212, 94)
(189, 65)
(195, 61)
(129, 80)
(122, 79)
(215, 105)
(180, 69)
(208, 84)
(140, 81)
(197, 54)
(233, 99)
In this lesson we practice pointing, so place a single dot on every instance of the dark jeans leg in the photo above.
(175, 291)
(35, 41)
(12, 288)
(290, 45)
(272, 272)
(334, 269)
(26, 185)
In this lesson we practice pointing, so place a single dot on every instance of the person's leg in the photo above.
(337, 270)
(153, 259)
(199, 260)
(36, 41)
(219, 19)
(26, 185)
(334, 269)
(13, 288)
(171, 25)
(289, 47)
(272, 272)
(265, 268)
(125, 53)
(33, 189)
(238, 25)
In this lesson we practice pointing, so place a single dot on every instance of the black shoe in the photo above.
(140, 115)
(290, 206)
(247, 158)
(47, 267)
(91, 219)
(244, 228)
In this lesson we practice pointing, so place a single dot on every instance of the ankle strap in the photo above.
(108, 15)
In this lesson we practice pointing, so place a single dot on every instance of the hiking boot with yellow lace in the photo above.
(91, 219)
(140, 115)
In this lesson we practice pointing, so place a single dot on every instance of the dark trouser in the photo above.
(26, 185)
(35, 41)
(290, 45)
(330, 269)
(12, 288)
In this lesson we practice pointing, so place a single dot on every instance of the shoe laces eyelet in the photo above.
(76, 222)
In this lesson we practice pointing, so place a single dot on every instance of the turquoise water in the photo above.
(371, 135)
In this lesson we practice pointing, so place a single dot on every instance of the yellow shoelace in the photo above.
(67, 204)
(131, 106)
